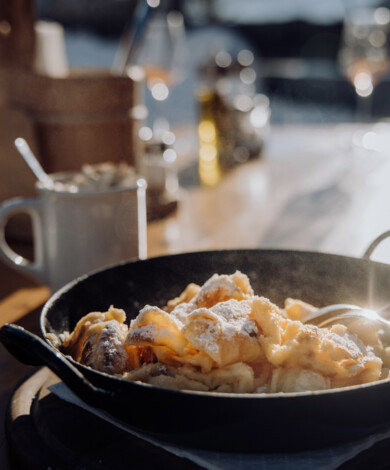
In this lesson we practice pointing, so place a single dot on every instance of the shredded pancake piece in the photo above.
(333, 352)
(225, 332)
(219, 288)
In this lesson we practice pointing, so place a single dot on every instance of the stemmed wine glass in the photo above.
(364, 53)
(163, 57)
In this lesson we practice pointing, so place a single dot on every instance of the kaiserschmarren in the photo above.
(222, 337)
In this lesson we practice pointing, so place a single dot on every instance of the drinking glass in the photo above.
(364, 54)
(163, 56)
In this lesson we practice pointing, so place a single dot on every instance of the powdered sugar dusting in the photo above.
(235, 317)
(151, 333)
(217, 289)
(220, 330)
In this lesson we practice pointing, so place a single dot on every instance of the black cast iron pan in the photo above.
(268, 422)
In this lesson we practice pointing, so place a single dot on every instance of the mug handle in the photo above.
(33, 208)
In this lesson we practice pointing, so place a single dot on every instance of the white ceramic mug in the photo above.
(75, 233)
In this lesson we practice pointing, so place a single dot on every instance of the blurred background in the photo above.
(186, 90)
(296, 43)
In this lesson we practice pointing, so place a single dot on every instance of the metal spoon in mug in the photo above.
(31, 160)
(336, 313)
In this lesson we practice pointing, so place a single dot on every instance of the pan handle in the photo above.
(32, 350)
(378, 240)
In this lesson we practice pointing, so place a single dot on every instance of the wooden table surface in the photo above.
(313, 189)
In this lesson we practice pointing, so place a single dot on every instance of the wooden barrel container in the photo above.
(83, 118)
